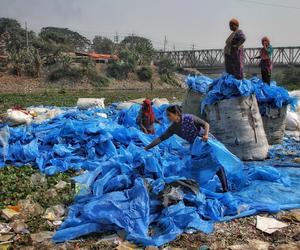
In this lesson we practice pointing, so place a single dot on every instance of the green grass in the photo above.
(66, 98)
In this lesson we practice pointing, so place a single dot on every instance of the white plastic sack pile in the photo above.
(160, 101)
(296, 93)
(18, 117)
(43, 114)
(86, 103)
(292, 121)
(156, 102)
(124, 105)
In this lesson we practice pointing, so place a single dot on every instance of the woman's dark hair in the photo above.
(175, 109)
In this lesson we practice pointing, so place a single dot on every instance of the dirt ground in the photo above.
(22, 84)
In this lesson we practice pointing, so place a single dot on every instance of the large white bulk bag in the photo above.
(274, 123)
(160, 101)
(86, 103)
(124, 105)
(18, 117)
(292, 121)
(237, 123)
(296, 93)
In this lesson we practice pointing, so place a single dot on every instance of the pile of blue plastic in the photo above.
(123, 185)
(198, 83)
(227, 87)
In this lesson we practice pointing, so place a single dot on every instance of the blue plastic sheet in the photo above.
(199, 84)
(227, 87)
(122, 184)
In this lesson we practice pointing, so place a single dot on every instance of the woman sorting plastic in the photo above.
(265, 60)
(188, 127)
(146, 118)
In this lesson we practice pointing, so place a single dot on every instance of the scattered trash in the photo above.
(4, 227)
(86, 103)
(103, 115)
(293, 215)
(54, 213)
(204, 247)
(125, 245)
(61, 185)
(38, 179)
(41, 236)
(57, 223)
(30, 208)
(113, 239)
(291, 246)
(252, 245)
(297, 160)
(6, 237)
(8, 213)
(19, 226)
(51, 193)
(269, 225)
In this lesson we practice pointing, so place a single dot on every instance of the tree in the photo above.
(17, 34)
(71, 40)
(141, 47)
(102, 45)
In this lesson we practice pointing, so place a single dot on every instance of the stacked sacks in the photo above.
(273, 104)
(232, 112)
(197, 88)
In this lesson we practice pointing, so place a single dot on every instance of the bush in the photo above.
(97, 80)
(119, 70)
(166, 66)
(169, 79)
(144, 74)
(61, 73)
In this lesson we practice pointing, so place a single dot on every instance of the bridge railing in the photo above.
(282, 56)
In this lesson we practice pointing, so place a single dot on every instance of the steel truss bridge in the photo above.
(212, 60)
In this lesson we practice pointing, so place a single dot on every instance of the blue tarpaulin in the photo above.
(228, 86)
(122, 185)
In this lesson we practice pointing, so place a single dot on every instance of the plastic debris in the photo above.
(41, 236)
(269, 225)
(8, 213)
(125, 245)
(38, 179)
(6, 237)
(291, 246)
(61, 185)
(113, 239)
(30, 208)
(4, 227)
(54, 213)
(19, 226)
(252, 245)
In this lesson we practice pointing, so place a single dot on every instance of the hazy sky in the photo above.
(184, 22)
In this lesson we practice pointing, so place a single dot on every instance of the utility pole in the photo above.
(174, 47)
(116, 38)
(193, 47)
(26, 35)
(165, 43)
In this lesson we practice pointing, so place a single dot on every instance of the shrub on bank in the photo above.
(144, 74)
